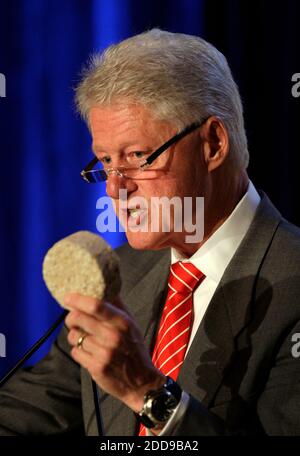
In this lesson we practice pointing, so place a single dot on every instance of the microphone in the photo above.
(80, 263)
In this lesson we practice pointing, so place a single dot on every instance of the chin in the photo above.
(147, 241)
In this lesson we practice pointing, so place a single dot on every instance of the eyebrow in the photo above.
(97, 148)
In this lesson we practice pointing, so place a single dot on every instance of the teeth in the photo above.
(133, 213)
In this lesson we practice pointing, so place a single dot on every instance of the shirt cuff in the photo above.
(174, 418)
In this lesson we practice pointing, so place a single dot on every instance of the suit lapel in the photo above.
(144, 301)
(148, 297)
(229, 311)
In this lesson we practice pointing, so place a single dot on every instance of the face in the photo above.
(123, 135)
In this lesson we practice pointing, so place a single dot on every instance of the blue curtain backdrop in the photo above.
(44, 144)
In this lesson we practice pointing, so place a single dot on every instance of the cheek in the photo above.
(164, 187)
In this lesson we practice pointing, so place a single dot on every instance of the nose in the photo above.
(115, 183)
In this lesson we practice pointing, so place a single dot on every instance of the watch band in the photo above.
(173, 387)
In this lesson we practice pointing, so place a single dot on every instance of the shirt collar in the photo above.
(214, 255)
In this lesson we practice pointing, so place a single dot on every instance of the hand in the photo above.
(113, 351)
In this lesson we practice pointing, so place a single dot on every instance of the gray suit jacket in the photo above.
(239, 371)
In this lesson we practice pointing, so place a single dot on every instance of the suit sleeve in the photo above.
(274, 412)
(279, 405)
(44, 399)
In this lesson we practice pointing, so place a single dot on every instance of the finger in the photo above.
(102, 310)
(81, 320)
(96, 362)
(102, 336)
(82, 357)
(97, 367)
(84, 303)
(74, 336)
(88, 344)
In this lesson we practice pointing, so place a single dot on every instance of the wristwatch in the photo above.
(159, 405)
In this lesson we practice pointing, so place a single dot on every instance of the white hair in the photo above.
(181, 78)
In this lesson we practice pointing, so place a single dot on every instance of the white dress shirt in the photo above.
(212, 259)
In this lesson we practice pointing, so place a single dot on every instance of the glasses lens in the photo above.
(94, 176)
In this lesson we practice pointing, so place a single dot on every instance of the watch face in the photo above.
(162, 406)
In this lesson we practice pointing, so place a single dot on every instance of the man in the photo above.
(203, 347)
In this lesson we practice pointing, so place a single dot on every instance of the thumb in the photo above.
(117, 302)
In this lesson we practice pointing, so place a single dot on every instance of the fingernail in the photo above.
(67, 299)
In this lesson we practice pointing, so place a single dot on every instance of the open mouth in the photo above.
(135, 216)
(134, 212)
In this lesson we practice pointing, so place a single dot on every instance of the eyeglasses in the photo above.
(93, 176)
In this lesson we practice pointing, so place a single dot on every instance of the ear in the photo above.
(215, 142)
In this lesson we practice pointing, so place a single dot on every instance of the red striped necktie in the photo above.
(176, 321)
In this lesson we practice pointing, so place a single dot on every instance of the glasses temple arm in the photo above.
(91, 165)
(169, 143)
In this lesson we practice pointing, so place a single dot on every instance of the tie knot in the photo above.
(184, 277)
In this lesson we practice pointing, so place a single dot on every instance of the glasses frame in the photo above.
(148, 161)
